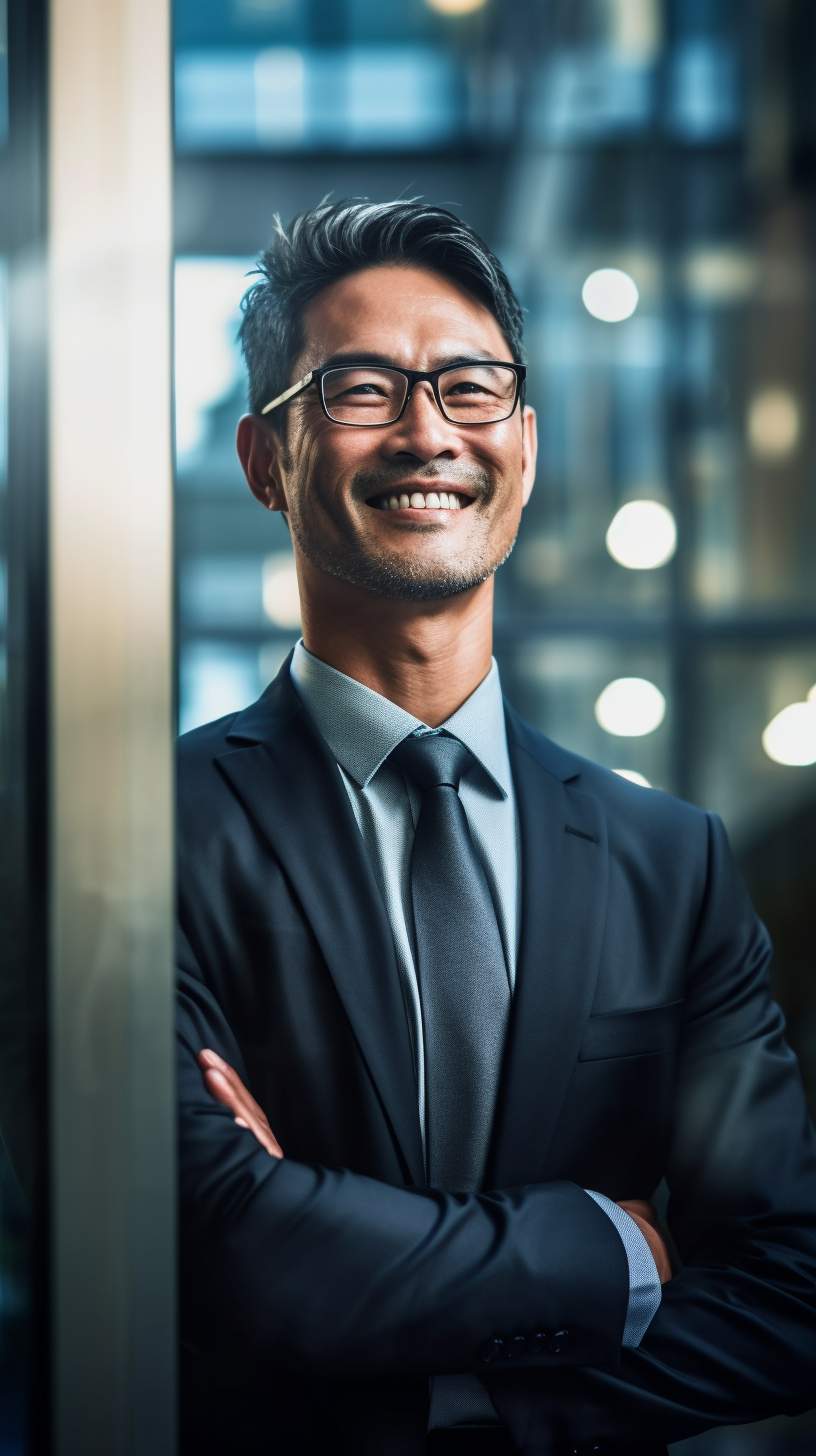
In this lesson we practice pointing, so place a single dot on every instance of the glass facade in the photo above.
(320, 77)
(646, 170)
(23, 773)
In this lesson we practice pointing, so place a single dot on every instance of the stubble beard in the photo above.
(397, 577)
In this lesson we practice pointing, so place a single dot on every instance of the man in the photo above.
(453, 1000)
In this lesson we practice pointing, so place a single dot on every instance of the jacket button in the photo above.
(535, 1343)
(516, 1346)
(492, 1349)
(557, 1343)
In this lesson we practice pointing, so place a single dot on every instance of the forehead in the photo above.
(411, 315)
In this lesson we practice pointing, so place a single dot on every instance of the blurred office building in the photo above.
(646, 171)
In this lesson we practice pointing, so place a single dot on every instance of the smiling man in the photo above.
(454, 1001)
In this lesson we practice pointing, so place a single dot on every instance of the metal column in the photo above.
(112, 1106)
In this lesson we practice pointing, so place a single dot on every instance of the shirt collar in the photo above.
(362, 727)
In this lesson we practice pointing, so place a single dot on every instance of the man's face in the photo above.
(335, 482)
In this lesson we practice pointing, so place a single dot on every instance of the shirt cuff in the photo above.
(644, 1280)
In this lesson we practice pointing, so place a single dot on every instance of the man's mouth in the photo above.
(421, 500)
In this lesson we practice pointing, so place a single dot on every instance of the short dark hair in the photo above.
(335, 239)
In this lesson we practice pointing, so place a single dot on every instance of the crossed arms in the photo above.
(226, 1087)
(329, 1272)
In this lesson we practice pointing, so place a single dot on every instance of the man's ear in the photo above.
(260, 451)
(529, 452)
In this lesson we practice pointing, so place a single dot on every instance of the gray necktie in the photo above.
(463, 982)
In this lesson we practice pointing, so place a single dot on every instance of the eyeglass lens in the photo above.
(472, 394)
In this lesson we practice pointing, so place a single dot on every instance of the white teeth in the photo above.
(442, 500)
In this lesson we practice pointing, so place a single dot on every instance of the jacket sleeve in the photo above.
(325, 1271)
(734, 1339)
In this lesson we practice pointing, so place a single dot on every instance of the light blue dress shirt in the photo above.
(361, 729)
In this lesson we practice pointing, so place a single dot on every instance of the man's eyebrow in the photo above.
(368, 356)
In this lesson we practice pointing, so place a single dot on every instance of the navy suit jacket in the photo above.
(318, 1293)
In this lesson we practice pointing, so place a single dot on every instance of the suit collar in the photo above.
(287, 780)
(557, 761)
(308, 821)
(563, 904)
(362, 727)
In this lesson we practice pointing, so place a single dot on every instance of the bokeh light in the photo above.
(610, 294)
(774, 424)
(790, 737)
(281, 598)
(630, 707)
(633, 776)
(456, 7)
(642, 535)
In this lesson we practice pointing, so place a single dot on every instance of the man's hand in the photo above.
(226, 1086)
(648, 1222)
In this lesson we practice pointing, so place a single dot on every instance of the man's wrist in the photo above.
(644, 1279)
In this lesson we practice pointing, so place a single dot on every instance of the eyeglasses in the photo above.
(478, 392)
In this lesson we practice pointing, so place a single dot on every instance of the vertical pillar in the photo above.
(112, 1109)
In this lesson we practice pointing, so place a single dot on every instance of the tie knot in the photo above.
(434, 760)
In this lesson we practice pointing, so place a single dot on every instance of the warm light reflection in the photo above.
(633, 776)
(455, 7)
(774, 424)
(610, 294)
(642, 535)
(630, 707)
(790, 737)
(281, 599)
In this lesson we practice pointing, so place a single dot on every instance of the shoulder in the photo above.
(202, 745)
(629, 808)
(203, 800)
(197, 752)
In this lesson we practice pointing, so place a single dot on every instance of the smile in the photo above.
(418, 500)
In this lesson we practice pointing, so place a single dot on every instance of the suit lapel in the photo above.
(564, 867)
(290, 785)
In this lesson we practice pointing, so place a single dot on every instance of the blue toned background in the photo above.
(646, 170)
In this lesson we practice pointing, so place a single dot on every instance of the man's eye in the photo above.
(467, 386)
(365, 390)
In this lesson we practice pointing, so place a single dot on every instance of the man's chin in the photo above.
(400, 577)
(402, 583)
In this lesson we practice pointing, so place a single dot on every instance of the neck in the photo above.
(428, 657)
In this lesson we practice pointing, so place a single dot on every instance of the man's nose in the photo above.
(423, 431)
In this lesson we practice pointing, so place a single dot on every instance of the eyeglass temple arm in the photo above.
(287, 393)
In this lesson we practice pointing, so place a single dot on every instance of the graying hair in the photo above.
(335, 239)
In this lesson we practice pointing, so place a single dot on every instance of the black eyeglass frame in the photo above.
(414, 376)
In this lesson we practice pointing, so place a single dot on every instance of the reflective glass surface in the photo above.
(283, 76)
(24, 1400)
(647, 172)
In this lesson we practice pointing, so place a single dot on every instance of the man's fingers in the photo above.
(640, 1208)
(226, 1087)
(235, 1098)
(245, 1110)
(645, 1216)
